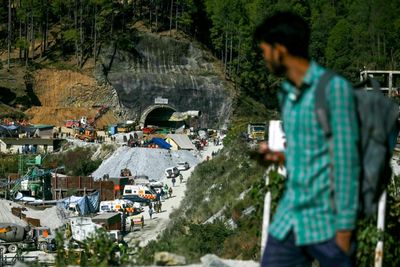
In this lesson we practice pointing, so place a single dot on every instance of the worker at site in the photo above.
(310, 223)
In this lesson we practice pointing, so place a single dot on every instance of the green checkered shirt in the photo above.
(306, 205)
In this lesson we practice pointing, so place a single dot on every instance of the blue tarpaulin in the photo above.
(87, 204)
(10, 127)
(9, 130)
(161, 143)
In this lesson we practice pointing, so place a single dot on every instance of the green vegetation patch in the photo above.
(76, 161)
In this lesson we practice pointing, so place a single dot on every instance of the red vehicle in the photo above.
(148, 130)
(72, 124)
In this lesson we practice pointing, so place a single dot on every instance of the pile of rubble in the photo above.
(143, 161)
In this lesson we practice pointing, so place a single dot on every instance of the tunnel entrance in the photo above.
(158, 115)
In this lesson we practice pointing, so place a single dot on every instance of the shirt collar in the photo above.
(308, 80)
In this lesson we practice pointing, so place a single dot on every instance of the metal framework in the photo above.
(388, 79)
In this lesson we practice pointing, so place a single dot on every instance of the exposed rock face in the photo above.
(174, 70)
(211, 260)
(168, 259)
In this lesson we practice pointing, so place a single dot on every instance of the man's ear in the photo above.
(281, 49)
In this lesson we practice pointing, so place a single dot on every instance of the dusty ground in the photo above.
(153, 227)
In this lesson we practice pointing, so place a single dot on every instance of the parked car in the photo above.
(172, 172)
(138, 199)
(140, 180)
(156, 184)
(183, 166)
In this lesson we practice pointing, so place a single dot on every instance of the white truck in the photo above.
(82, 228)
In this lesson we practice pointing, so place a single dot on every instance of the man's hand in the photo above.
(343, 239)
(269, 156)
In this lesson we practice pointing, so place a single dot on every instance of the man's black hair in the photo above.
(285, 28)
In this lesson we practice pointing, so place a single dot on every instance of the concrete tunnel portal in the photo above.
(159, 115)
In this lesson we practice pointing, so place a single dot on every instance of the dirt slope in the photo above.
(66, 95)
(58, 115)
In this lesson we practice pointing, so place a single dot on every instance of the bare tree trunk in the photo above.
(26, 40)
(112, 21)
(95, 35)
(170, 17)
(379, 46)
(46, 35)
(230, 57)
(150, 11)
(81, 36)
(239, 55)
(20, 37)
(32, 34)
(176, 16)
(9, 35)
(226, 51)
(156, 17)
(384, 46)
(140, 9)
(76, 30)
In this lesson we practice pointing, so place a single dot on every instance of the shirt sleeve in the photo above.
(346, 163)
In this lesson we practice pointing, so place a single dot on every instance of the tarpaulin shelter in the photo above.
(86, 205)
(160, 142)
(180, 141)
(9, 130)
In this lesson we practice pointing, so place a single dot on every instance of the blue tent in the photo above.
(161, 143)
(87, 204)
(9, 130)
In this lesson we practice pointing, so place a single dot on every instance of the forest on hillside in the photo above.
(346, 35)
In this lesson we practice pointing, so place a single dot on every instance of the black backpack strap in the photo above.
(321, 103)
(323, 117)
(368, 81)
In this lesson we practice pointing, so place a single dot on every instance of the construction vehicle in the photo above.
(14, 237)
(256, 131)
(81, 228)
(87, 134)
(100, 112)
(35, 183)
(125, 128)
(126, 172)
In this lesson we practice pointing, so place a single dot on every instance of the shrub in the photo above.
(76, 161)
(8, 164)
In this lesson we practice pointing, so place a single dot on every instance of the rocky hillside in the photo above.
(125, 78)
(178, 70)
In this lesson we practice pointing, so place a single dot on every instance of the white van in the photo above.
(139, 190)
(116, 205)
